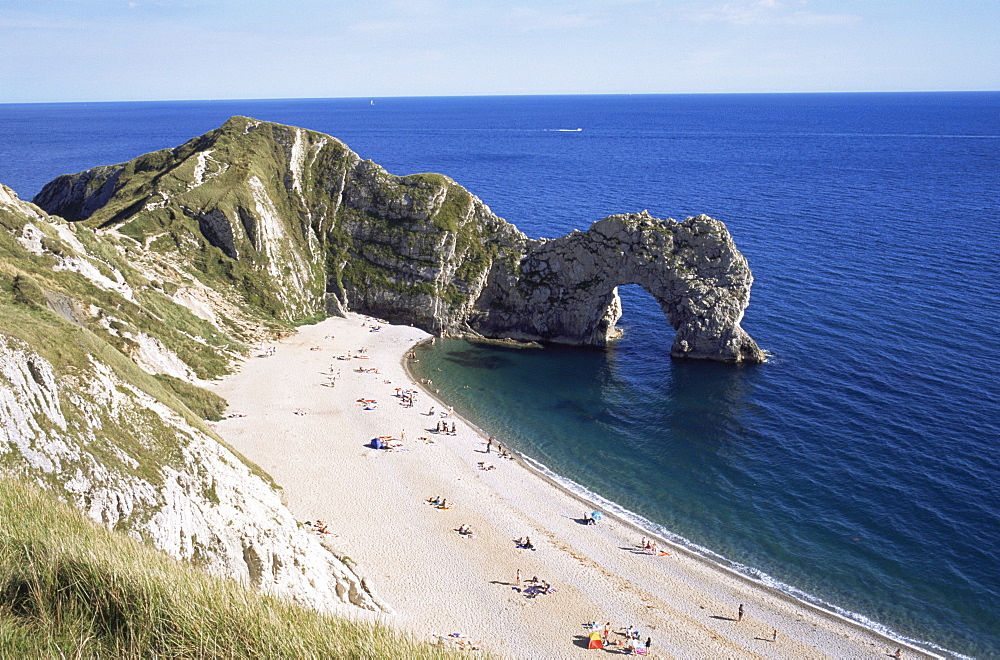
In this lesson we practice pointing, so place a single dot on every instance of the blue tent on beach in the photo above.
(377, 443)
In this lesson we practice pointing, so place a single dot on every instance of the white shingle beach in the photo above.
(309, 422)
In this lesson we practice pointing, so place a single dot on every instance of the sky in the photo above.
(137, 50)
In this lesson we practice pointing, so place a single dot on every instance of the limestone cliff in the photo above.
(91, 337)
(295, 222)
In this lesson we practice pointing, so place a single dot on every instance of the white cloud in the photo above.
(766, 12)
(533, 18)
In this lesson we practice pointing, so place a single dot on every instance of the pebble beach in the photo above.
(306, 409)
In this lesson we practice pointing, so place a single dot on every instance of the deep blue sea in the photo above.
(858, 467)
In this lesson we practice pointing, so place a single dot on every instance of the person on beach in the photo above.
(649, 643)
(739, 613)
(898, 654)
(489, 445)
(430, 413)
(774, 634)
(518, 577)
(453, 429)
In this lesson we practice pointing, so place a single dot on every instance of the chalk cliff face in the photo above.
(300, 223)
(88, 339)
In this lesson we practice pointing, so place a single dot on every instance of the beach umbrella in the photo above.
(596, 515)
(595, 641)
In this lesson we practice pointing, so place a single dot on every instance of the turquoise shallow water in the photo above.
(860, 464)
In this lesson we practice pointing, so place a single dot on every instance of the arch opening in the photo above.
(642, 320)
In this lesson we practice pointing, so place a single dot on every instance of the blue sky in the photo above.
(105, 50)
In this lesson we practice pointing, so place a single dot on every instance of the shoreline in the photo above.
(650, 529)
(311, 439)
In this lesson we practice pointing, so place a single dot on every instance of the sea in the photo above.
(857, 469)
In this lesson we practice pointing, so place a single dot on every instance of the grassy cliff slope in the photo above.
(71, 588)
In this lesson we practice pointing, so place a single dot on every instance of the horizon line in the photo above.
(499, 95)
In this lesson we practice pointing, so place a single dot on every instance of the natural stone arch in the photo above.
(325, 229)
(565, 290)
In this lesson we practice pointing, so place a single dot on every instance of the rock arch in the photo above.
(333, 231)
(565, 290)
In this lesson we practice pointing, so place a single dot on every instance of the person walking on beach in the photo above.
(519, 577)
(774, 634)
(489, 445)
(739, 613)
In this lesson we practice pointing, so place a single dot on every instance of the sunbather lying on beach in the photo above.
(319, 527)
(525, 544)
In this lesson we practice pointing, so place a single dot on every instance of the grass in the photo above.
(70, 588)
(360, 238)
(205, 404)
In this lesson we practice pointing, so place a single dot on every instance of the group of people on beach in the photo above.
(439, 502)
(407, 396)
(442, 427)
(319, 527)
(628, 639)
(524, 543)
(532, 587)
(650, 547)
(501, 452)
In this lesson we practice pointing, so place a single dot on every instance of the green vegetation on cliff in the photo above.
(69, 588)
